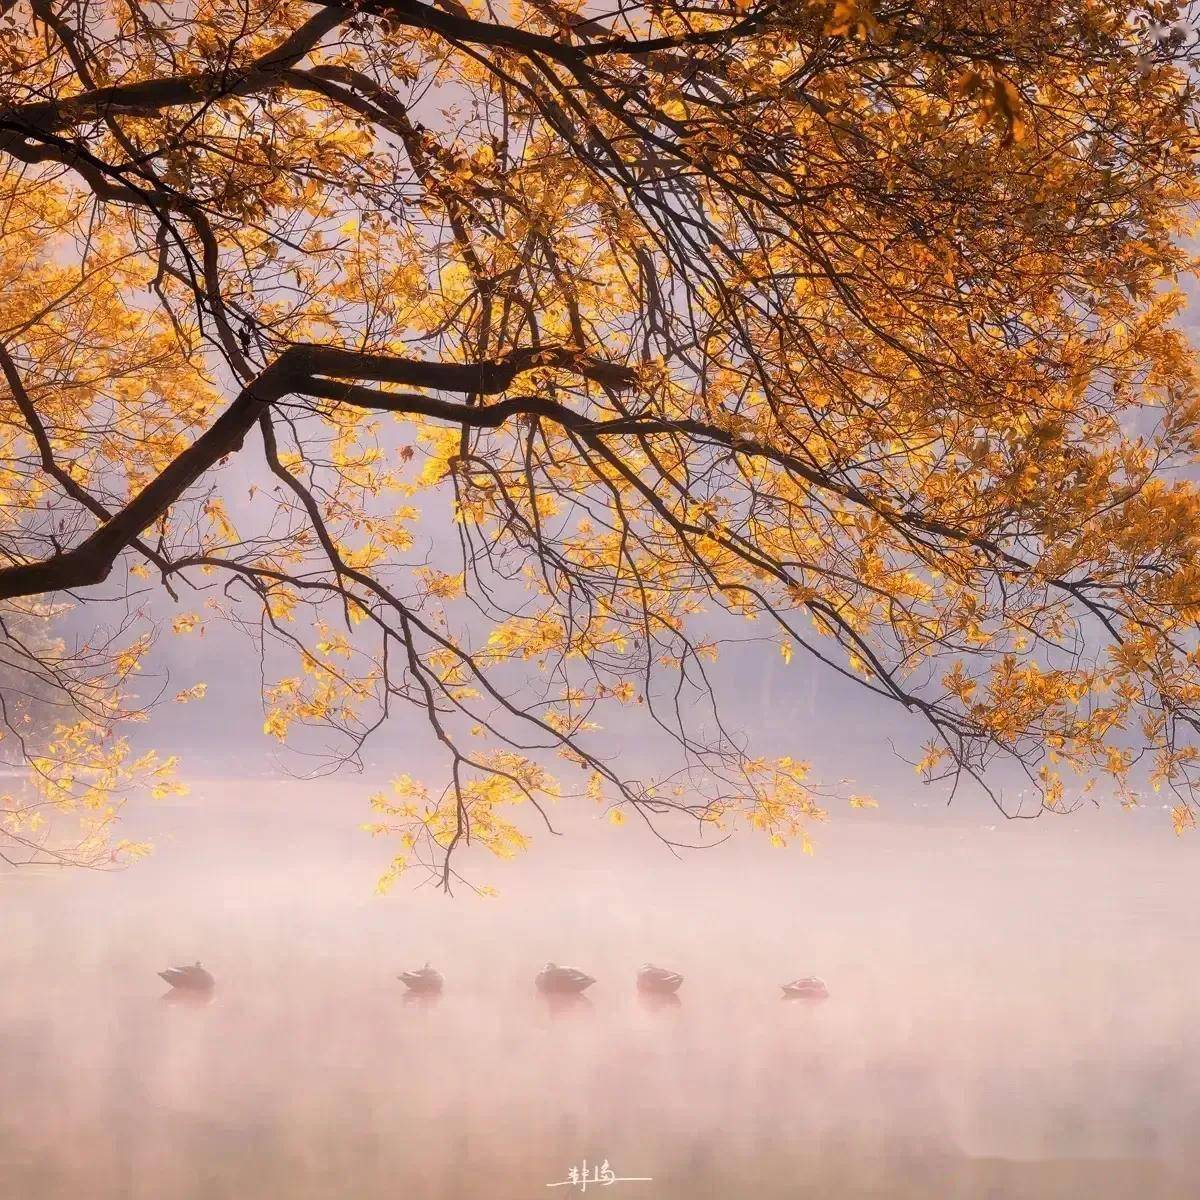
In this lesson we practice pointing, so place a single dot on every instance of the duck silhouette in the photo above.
(808, 988)
(658, 979)
(426, 980)
(189, 979)
(562, 980)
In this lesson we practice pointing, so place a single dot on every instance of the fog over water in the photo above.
(1012, 1012)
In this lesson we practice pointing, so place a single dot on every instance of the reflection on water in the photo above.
(421, 999)
(183, 998)
(566, 1004)
(1003, 1022)
(659, 1001)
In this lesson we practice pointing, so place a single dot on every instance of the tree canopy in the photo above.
(501, 360)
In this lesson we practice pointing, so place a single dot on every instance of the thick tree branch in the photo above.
(152, 95)
(456, 27)
(295, 370)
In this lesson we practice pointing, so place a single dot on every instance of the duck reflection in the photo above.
(566, 1004)
(181, 998)
(659, 1001)
(422, 1000)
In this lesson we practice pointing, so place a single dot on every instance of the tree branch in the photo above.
(151, 95)
(294, 370)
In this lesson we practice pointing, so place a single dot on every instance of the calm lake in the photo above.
(1012, 1013)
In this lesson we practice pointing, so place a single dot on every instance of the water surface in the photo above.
(1012, 1013)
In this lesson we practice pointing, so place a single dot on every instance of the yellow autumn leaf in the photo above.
(276, 725)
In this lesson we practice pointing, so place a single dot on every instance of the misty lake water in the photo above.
(1012, 1013)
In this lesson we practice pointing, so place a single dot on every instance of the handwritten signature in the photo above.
(583, 1177)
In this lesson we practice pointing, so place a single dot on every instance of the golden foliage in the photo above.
(556, 341)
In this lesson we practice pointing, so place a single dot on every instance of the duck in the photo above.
(428, 979)
(191, 979)
(658, 979)
(553, 978)
(808, 988)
